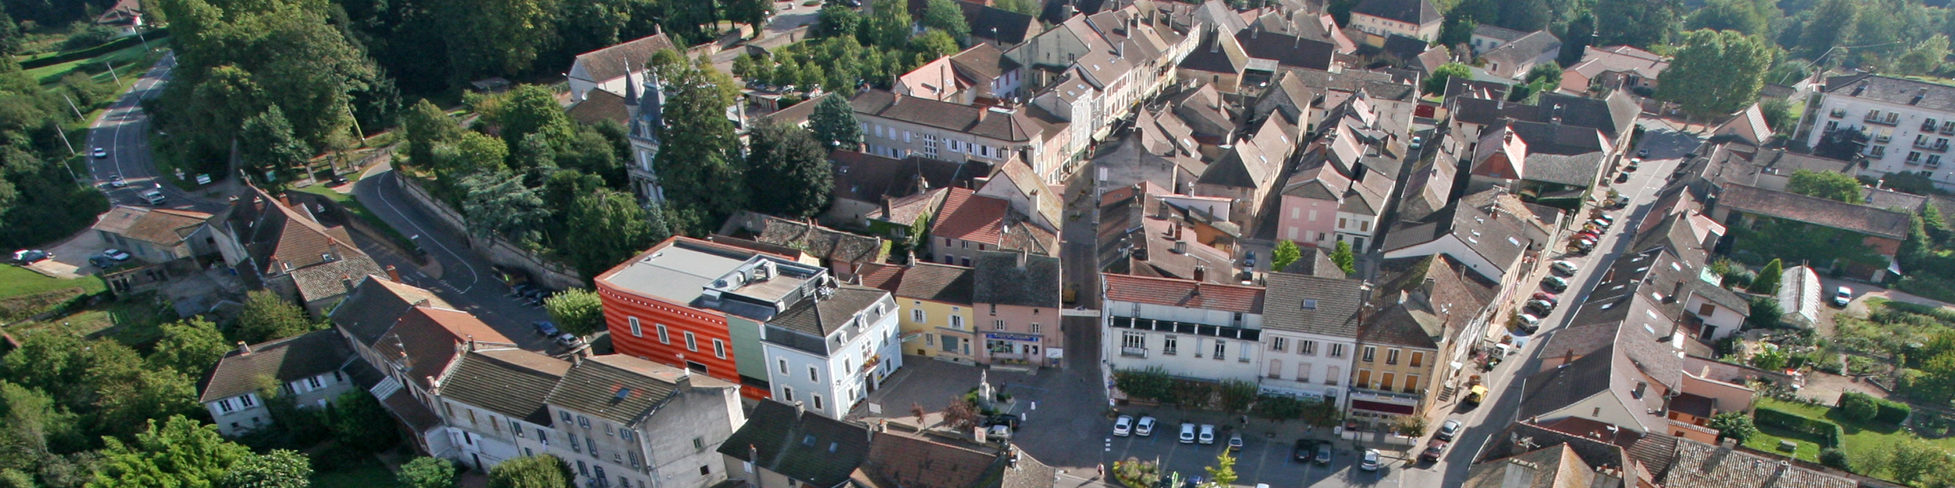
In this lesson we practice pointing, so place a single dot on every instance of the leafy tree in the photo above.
(751, 12)
(475, 152)
(1436, 82)
(785, 163)
(178, 452)
(576, 311)
(1777, 113)
(1767, 282)
(123, 392)
(1912, 459)
(1831, 25)
(426, 472)
(543, 471)
(1027, 7)
(14, 478)
(1715, 73)
(530, 109)
(1152, 382)
(700, 161)
(1836, 459)
(1457, 30)
(932, 44)
(1640, 23)
(834, 125)
(9, 35)
(358, 420)
(1769, 359)
(1222, 474)
(1937, 381)
(960, 415)
(497, 204)
(835, 20)
(281, 468)
(1925, 58)
(266, 142)
(266, 316)
(945, 15)
(427, 126)
(1733, 425)
(1344, 258)
(1283, 254)
(1764, 312)
(191, 346)
(1749, 17)
(33, 428)
(1581, 32)
(888, 24)
(627, 228)
(494, 36)
(1824, 184)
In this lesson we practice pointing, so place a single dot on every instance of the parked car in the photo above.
(99, 153)
(1187, 433)
(1529, 322)
(1842, 296)
(1633, 164)
(1370, 460)
(1145, 427)
(1601, 223)
(1448, 430)
(1323, 453)
(117, 182)
(1539, 308)
(1622, 177)
(1546, 297)
(1565, 267)
(154, 197)
(102, 262)
(569, 339)
(1123, 426)
(1249, 259)
(545, 328)
(1554, 284)
(1434, 450)
(1303, 451)
(1235, 442)
(1417, 142)
(1643, 153)
(1207, 434)
(116, 254)
(1006, 419)
(31, 256)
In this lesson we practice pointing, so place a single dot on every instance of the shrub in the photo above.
(1893, 412)
(1835, 458)
(1829, 434)
(1858, 406)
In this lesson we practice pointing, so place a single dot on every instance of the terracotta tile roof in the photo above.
(934, 80)
(1598, 60)
(512, 382)
(160, 226)
(1548, 467)
(609, 63)
(289, 359)
(1700, 465)
(282, 239)
(971, 217)
(426, 339)
(1184, 293)
(1816, 211)
(599, 106)
(881, 276)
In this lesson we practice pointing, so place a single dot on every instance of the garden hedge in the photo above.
(1828, 432)
(105, 48)
(1888, 412)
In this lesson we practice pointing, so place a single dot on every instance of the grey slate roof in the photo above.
(1900, 91)
(1527, 48)
(1311, 304)
(998, 25)
(1014, 126)
(609, 63)
(1816, 211)
(822, 316)
(1417, 12)
(598, 386)
(512, 382)
(1000, 280)
(293, 358)
(1217, 54)
(376, 303)
(805, 447)
(1576, 170)
(937, 282)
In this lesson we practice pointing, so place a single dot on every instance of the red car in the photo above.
(1545, 296)
(1434, 450)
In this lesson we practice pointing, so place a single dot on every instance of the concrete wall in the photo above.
(1728, 397)
(552, 274)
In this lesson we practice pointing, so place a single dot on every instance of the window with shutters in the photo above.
(1333, 378)
(1386, 383)
(1370, 354)
(1278, 344)
(1307, 348)
(1391, 356)
(1411, 383)
(1418, 359)
(1364, 377)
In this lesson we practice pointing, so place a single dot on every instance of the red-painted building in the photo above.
(656, 308)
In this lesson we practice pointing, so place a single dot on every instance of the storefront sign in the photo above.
(1007, 336)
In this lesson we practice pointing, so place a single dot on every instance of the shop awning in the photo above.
(1382, 407)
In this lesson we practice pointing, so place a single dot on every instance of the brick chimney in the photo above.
(243, 348)
(393, 273)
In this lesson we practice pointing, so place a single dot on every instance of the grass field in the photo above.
(1863, 441)
(123, 59)
(135, 320)
(16, 281)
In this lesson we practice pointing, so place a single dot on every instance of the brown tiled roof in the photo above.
(161, 226)
(937, 282)
(283, 239)
(898, 460)
(1523, 437)
(880, 276)
(980, 64)
(998, 124)
(999, 279)
(818, 241)
(622, 388)
(1700, 465)
(1184, 293)
(871, 178)
(599, 106)
(376, 303)
(509, 381)
(425, 338)
(1549, 467)
(1816, 211)
(289, 359)
(972, 217)
(609, 63)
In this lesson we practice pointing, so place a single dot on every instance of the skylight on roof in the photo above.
(1309, 304)
(808, 441)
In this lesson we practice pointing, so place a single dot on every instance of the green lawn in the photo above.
(17, 281)
(373, 220)
(136, 321)
(1862, 441)
(366, 475)
(123, 59)
(1768, 439)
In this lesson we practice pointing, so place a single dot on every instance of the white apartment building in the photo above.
(1908, 124)
(829, 350)
(1310, 337)
(1189, 328)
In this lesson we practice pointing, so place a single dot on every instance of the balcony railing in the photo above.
(1928, 126)
(1134, 352)
(1936, 147)
(1874, 119)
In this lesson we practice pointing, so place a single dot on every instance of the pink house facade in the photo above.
(1309, 207)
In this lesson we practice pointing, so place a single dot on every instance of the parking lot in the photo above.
(1266, 455)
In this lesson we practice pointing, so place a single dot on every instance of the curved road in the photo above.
(123, 132)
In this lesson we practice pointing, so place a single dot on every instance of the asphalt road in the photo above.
(454, 272)
(1506, 381)
(123, 133)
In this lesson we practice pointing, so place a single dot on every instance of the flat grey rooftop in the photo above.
(675, 273)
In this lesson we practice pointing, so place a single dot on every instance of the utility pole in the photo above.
(64, 138)
(71, 106)
(118, 78)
